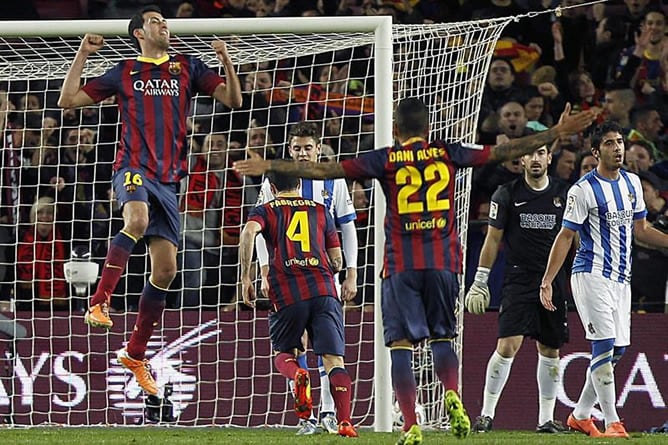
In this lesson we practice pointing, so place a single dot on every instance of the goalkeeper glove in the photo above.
(477, 298)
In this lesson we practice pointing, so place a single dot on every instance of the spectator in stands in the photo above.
(563, 163)
(499, 89)
(10, 161)
(29, 102)
(646, 125)
(640, 65)
(534, 109)
(602, 58)
(40, 257)
(649, 269)
(258, 139)
(639, 156)
(201, 211)
(512, 124)
(617, 106)
(185, 10)
(586, 163)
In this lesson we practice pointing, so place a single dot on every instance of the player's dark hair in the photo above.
(283, 182)
(412, 117)
(137, 22)
(304, 129)
(601, 130)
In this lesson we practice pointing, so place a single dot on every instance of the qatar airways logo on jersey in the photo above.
(619, 218)
(157, 87)
(541, 221)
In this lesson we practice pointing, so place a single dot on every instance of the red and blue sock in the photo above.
(118, 255)
(151, 305)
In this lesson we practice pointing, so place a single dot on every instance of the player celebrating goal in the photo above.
(303, 146)
(153, 93)
(607, 209)
(305, 254)
(422, 251)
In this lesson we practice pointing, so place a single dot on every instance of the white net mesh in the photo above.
(213, 356)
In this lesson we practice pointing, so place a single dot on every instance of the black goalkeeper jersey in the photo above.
(530, 220)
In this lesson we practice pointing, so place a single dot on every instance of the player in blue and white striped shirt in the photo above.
(606, 209)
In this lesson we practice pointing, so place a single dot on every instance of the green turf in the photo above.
(202, 436)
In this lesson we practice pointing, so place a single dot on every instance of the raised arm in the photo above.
(568, 125)
(255, 165)
(228, 93)
(71, 94)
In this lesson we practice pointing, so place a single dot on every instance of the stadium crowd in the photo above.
(56, 165)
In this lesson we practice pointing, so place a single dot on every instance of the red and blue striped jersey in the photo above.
(153, 97)
(418, 180)
(298, 233)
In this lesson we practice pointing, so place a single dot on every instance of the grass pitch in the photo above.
(217, 436)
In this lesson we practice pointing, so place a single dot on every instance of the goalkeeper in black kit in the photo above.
(526, 215)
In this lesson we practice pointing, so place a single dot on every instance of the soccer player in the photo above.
(304, 146)
(526, 215)
(606, 208)
(305, 254)
(422, 250)
(153, 93)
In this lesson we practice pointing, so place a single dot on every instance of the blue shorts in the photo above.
(163, 209)
(321, 317)
(419, 304)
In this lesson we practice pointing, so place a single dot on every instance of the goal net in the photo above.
(211, 354)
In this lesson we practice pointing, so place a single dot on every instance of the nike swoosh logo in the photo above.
(112, 266)
(520, 204)
(132, 73)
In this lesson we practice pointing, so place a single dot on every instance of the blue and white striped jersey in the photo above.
(603, 212)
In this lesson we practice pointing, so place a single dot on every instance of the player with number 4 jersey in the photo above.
(422, 252)
(304, 253)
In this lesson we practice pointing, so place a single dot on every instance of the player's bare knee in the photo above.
(162, 275)
(547, 351)
(507, 347)
(135, 224)
(330, 362)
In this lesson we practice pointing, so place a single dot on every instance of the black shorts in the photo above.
(521, 312)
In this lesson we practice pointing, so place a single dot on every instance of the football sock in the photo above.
(340, 387)
(446, 363)
(603, 378)
(403, 383)
(587, 399)
(286, 364)
(118, 254)
(151, 305)
(301, 361)
(548, 378)
(326, 399)
(496, 376)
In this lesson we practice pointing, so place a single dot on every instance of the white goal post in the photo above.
(218, 363)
